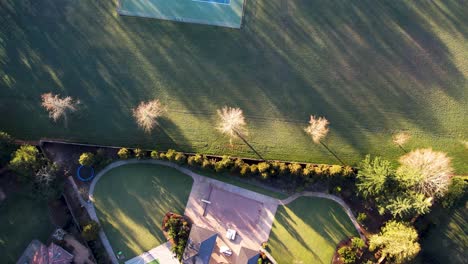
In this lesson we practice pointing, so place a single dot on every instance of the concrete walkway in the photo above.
(197, 178)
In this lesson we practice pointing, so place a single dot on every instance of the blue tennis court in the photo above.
(226, 13)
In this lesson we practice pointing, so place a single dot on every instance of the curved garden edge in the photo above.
(92, 211)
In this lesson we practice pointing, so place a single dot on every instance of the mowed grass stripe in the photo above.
(371, 68)
(308, 231)
(131, 201)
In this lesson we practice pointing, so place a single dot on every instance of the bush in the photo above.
(321, 170)
(196, 160)
(253, 169)
(361, 217)
(224, 164)
(264, 175)
(238, 164)
(124, 153)
(347, 255)
(245, 170)
(180, 158)
(457, 189)
(263, 167)
(170, 154)
(154, 154)
(335, 170)
(7, 146)
(348, 171)
(102, 159)
(206, 163)
(90, 231)
(26, 161)
(87, 159)
(162, 155)
(283, 169)
(308, 171)
(357, 243)
(295, 169)
(139, 153)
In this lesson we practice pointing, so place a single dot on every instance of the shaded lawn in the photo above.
(22, 219)
(308, 231)
(448, 241)
(371, 67)
(131, 201)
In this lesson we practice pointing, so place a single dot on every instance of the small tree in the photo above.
(123, 153)
(373, 175)
(46, 182)
(400, 139)
(397, 242)
(154, 154)
(59, 107)
(87, 159)
(431, 168)
(26, 161)
(232, 122)
(318, 128)
(147, 113)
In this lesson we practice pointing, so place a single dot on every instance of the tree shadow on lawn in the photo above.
(326, 218)
(366, 66)
(132, 220)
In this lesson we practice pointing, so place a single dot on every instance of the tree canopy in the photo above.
(398, 242)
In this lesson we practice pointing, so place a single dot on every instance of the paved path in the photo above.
(200, 178)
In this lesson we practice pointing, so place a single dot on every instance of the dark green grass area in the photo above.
(22, 219)
(308, 231)
(371, 67)
(447, 242)
(131, 201)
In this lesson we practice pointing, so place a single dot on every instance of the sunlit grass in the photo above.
(308, 231)
(131, 201)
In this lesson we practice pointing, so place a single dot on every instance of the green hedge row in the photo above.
(264, 170)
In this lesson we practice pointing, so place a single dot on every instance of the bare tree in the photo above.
(46, 175)
(147, 113)
(232, 123)
(59, 107)
(433, 169)
(318, 128)
(400, 139)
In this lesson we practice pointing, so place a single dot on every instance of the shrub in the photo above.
(162, 155)
(87, 159)
(335, 170)
(90, 231)
(348, 171)
(457, 189)
(321, 170)
(224, 164)
(238, 164)
(26, 161)
(7, 146)
(154, 154)
(170, 154)
(264, 175)
(124, 153)
(139, 153)
(295, 169)
(180, 158)
(283, 168)
(361, 217)
(357, 243)
(196, 160)
(263, 167)
(245, 170)
(347, 255)
(206, 163)
(253, 169)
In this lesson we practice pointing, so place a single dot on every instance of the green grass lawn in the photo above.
(371, 67)
(308, 230)
(131, 201)
(22, 219)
